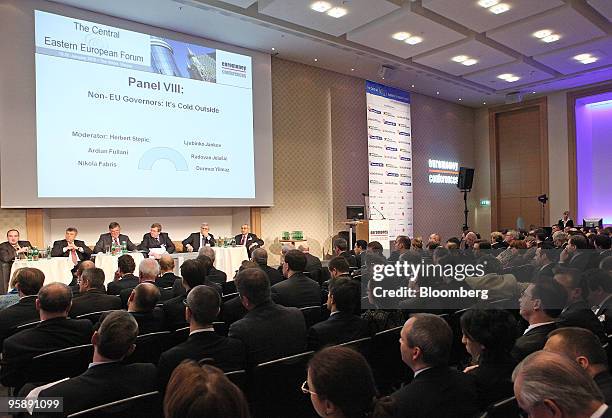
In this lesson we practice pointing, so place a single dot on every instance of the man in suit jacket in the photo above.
(167, 277)
(436, 390)
(297, 290)
(550, 384)
(114, 236)
(71, 247)
(124, 277)
(13, 246)
(156, 239)
(248, 239)
(341, 249)
(92, 297)
(313, 263)
(54, 332)
(540, 305)
(29, 282)
(201, 309)
(260, 256)
(107, 379)
(582, 346)
(599, 284)
(565, 221)
(342, 325)
(269, 331)
(214, 275)
(200, 239)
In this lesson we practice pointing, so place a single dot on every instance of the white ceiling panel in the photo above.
(240, 3)
(564, 62)
(378, 34)
(526, 72)
(470, 14)
(486, 56)
(299, 12)
(602, 6)
(571, 26)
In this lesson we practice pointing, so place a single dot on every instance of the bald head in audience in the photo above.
(551, 385)
(143, 298)
(260, 256)
(166, 264)
(54, 301)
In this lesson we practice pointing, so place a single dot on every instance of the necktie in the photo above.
(116, 241)
(202, 241)
(73, 255)
(243, 240)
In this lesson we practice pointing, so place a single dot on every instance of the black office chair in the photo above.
(146, 405)
(178, 336)
(390, 371)
(221, 328)
(239, 378)
(149, 347)
(508, 408)
(229, 296)
(312, 315)
(94, 317)
(362, 345)
(229, 287)
(58, 364)
(283, 378)
(21, 327)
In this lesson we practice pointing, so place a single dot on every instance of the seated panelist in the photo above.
(248, 239)
(114, 236)
(13, 247)
(71, 247)
(156, 239)
(200, 239)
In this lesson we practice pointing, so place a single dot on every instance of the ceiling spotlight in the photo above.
(413, 40)
(551, 38)
(460, 58)
(542, 33)
(589, 60)
(484, 102)
(401, 36)
(583, 57)
(469, 62)
(316, 59)
(499, 8)
(352, 69)
(512, 79)
(487, 3)
(460, 99)
(320, 6)
(437, 92)
(337, 12)
(412, 85)
(273, 49)
(533, 92)
(505, 76)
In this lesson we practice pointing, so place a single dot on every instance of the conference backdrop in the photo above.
(390, 157)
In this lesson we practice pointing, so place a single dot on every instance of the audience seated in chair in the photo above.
(214, 275)
(54, 332)
(28, 282)
(196, 391)
(341, 249)
(342, 325)
(260, 256)
(297, 290)
(148, 272)
(201, 309)
(551, 385)
(12, 297)
(489, 336)
(269, 331)
(166, 277)
(340, 384)
(124, 276)
(599, 285)
(92, 297)
(338, 267)
(436, 390)
(582, 346)
(107, 379)
(540, 305)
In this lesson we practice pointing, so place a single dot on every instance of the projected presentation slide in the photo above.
(126, 114)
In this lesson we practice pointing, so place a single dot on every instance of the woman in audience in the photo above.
(341, 385)
(12, 296)
(488, 336)
(196, 391)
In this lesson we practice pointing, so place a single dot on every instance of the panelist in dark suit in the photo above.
(54, 332)
(167, 277)
(156, 239)
(260, 256)
(92, 296)
(124, 277)
(114, 236)
(71, 247)
(565, 221)
(436, 390)
(29, 282)
(201, 309)
(268, 331)
(200, 239)
(342, 325)
(248, 239)
(13, 247)
(107, 379)
(297, 290)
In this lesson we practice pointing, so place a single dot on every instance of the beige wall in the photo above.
(482, 178)
(558, 159)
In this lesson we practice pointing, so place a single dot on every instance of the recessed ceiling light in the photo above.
(412, 85)
(413, 40)
(542, 33)
(401, 36)
(469, 62)
(505, 76)
(316, 59)
(437, 92)
(582, 57)
(337, 12)
(589, 60)
(551, 38)
(499, 8)
(352, 69)
(460, 58)
(273, 49)
(484, 102)
(487, 3)
(513, 79)
(320, 6)
(460, 99)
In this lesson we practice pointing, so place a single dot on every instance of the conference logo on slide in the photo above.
(388, 122)
(373, 110)
(373, 164)
(393, 149)
(376, 137)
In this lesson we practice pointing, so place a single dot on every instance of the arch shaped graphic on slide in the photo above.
(150, 157)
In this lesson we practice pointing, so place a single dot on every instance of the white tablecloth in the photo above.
(108, 263)
(56, 269)
(227, 259)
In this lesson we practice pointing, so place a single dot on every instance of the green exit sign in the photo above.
(485, 202)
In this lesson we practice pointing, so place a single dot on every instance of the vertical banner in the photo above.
(390, 157)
